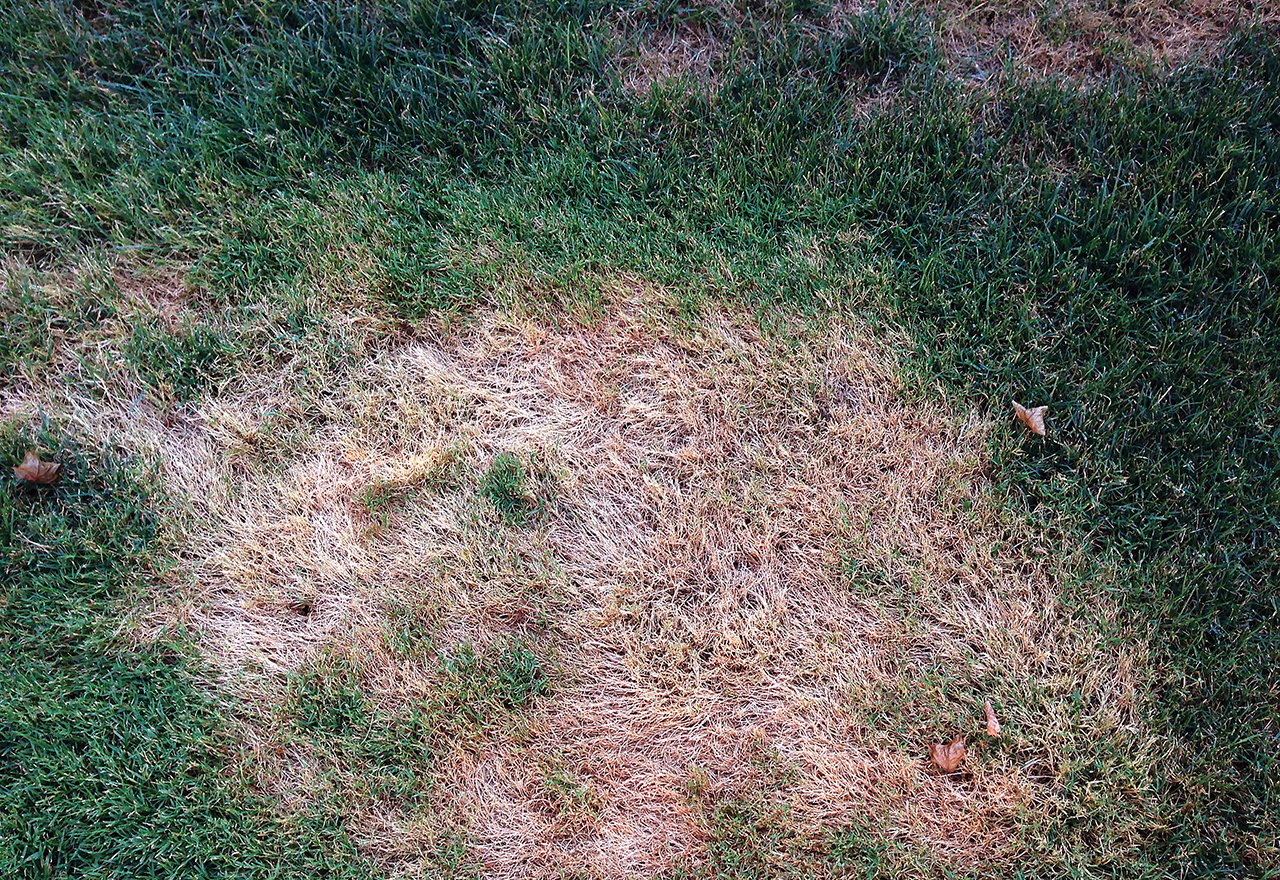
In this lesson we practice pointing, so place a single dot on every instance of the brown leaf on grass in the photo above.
(950, 756)
(33, 470)
(993, 725)
(1033, 418)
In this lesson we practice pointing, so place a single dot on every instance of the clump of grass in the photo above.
(326, 698)
(508, 484)
(752, 839)
(372, 757)
(376, 761)
(181, 364)
(754, 835)
(40, 315)
(382, 498)
(486, 687)
(409, 630)
(573, 794)
(883, 44)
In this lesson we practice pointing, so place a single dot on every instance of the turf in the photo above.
(1110, 250)
(114, 764)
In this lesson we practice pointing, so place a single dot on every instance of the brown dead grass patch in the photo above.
(656, 55)
(163, 295)
(766, 570)
(1082, 38)
(1077, 39)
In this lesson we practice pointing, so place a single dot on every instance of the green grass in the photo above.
(112, 762)
(508, 484)
(1110, 251)
(368, 755)
(36, 315)
(369, 758)
(480, 690)
(180, 364)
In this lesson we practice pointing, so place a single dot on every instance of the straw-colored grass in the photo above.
(763, 569)
(659, 56)
(1084, 38)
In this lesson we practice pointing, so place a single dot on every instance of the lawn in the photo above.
(503, 439)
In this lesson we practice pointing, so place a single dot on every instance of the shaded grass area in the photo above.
(112, 763)
(1109, 251)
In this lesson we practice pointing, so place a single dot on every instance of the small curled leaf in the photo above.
(993, 725)
(950, 756)
(1032, 417)
(33, 470)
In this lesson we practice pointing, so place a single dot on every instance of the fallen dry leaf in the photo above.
(993, 726)
(33, 470)
(950, 756)
(1033, 418)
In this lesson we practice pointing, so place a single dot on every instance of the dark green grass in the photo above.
(516, 488)
(112, 763)
(1110, 251)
